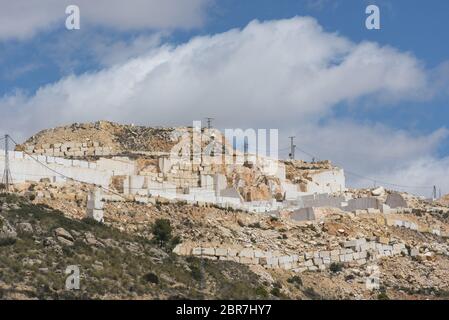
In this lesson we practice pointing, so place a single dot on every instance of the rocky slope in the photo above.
(421, 275)
(37, 244)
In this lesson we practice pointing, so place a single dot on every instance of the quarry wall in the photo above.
(26, 168)
(164, 179)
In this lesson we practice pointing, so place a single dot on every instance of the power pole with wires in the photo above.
(7, 178)
(292, 148)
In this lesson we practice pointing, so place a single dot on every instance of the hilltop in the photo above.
(119, 138)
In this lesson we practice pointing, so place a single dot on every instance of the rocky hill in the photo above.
(296, 232)
(119, 138)
(37, 243)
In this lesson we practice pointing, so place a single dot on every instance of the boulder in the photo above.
(383, 240)
(209, 251)
(378, 192)
(25, 227)
(65, 241)
(91, 240)
(221, 252)
(62, 233)
(178, 249)
(64, 237)
(7, 231)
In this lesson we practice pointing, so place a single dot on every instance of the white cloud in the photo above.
(286, 74)
(109, 53)
(367, 147)
(420, 175)
(23, 18)
(14, 73)
(378, 152)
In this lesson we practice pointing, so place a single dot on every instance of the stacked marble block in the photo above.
(358, 251)
(70, 149)
(95, 206)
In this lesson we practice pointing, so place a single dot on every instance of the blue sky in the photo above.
(410, 25)
(44, 55)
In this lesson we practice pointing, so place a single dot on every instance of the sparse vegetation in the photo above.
(122, 266)
(276, 292)
(312, 294)
(255, 225)
(151, 278)
(382, 296)
(162, 231)
(295, 280)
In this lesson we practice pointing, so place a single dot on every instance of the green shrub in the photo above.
(335, 267)
(295, 280)
(261, 292)
(276, 292)
(162, 230)
(7, 242)
(196, 273)
(151, 278)
(382, 296)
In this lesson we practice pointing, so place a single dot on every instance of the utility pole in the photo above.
(7, 178)
(292, 148)
(209, 122)
(203, 275)
(245, 150)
